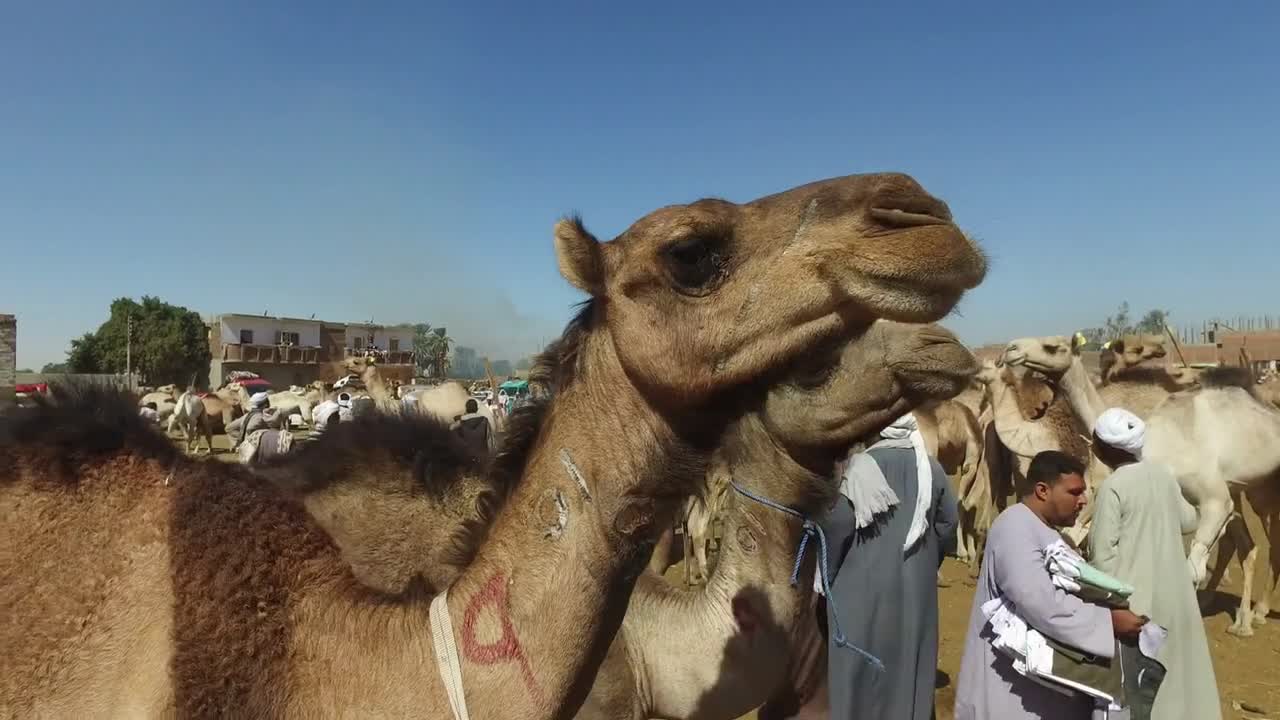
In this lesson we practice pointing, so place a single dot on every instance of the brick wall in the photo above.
(8, 359)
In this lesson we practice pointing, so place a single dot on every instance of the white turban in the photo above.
(258, 400)
(1122, 430)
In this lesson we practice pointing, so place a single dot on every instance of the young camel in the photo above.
(713, 653)
(212, 594)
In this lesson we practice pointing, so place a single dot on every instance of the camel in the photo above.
(239, 601)
(1127, 352)
(713, 652)
(952, 435)
(190, 417)
(1219, 441)
(447, 401)
(286, 402)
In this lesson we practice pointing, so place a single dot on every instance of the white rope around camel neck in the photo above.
(447, 660)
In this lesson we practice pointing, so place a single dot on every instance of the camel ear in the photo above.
(579, 256)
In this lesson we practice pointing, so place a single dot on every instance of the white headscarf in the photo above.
(1122, 430)
(865, 486)
(258, 400)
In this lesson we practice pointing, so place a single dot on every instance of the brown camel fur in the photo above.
(1128, 352)
(691, 307)
(712, 653)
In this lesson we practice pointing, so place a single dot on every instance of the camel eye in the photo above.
(695, 263)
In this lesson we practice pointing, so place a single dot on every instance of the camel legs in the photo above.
(1265, 501)
(1214, 510)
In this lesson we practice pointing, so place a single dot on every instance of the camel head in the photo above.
(845, 393)
(1130, 351)
(726, 292)
(1051, 356)
(1135, 349)
(1031, 368)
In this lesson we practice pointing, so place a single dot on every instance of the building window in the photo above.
(395, 344)
(359, 342)
(288, 338)
(246, 337)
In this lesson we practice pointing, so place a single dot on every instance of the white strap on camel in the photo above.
(447, 655)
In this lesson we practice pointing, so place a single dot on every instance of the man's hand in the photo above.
(1125, 624)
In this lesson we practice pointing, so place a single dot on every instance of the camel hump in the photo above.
(80, 418)
(1220, 377)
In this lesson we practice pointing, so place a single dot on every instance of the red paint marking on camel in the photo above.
(507, 647)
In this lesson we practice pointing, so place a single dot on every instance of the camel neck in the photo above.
(1081, 394)
(1021, 436)
(712, 651)
(557, 568)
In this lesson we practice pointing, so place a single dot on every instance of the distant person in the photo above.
(254, 419)
(474, 429)
(1139, 519)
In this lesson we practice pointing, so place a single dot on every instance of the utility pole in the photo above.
(128, 350)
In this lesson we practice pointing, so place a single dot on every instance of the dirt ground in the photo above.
(1246, 668)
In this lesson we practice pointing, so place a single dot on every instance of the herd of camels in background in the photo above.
(758, 341)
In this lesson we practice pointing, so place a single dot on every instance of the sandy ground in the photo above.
(1246, 668)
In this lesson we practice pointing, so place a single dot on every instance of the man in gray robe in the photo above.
(1013, 569)
(1139, 519)
(885, 592)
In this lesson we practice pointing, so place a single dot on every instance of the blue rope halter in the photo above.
(811, 529)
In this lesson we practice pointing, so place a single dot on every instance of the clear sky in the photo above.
(406, 161)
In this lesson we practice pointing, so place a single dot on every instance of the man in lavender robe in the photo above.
(1013, 568)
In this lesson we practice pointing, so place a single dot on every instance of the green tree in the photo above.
(431, 350)
(55, 368)
(1119, 324)
(501, 368)
(1153, 322)
(170, 343)
(85, 355)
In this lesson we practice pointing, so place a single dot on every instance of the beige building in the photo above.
(8, 359)
(293, 351)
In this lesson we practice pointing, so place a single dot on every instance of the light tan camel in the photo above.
(189, 416)
(241, 604)
(285, 402)
(714, 652)
(1129, 351)
(1219, 441)
(952, 435)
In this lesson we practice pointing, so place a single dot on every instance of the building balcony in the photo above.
(277, 354)
(384, 357)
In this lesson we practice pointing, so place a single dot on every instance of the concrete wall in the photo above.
(264, 330)
(280, 376)
(381, 336)
(8, 359)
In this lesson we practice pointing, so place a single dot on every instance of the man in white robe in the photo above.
(1013, 568)
(1139, 519)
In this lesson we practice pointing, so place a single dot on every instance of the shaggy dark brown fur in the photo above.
(80, 420)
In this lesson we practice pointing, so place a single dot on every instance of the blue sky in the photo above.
(406, 161)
